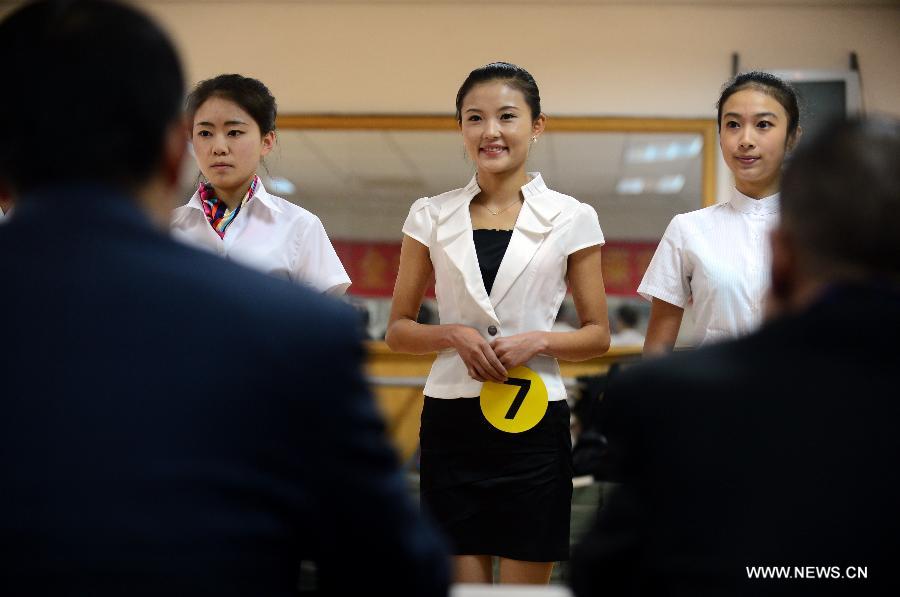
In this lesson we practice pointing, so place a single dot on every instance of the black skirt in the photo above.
(497, 493)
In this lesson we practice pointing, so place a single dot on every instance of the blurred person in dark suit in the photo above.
(776, 449)
(126, 468)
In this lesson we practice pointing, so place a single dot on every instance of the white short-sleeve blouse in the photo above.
(269, 234)
(716, 260)
(530, 283)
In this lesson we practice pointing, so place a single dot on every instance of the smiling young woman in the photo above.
(232, 128)
(502, 249)
(717, 259)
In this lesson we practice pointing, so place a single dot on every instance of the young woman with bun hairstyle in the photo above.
(232, 121)
(717, 259)
(496, 468)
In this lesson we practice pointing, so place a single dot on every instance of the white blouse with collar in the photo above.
(530, 284)
(269, 234)
(716, 260)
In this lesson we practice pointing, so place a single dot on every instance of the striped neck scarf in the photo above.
(217, 213)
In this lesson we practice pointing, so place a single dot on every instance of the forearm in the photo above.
(407, 336)
(659, 344)
(592, 340)
(662, 329)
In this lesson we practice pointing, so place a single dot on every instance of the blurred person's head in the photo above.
(759, 122)
(840, 211)
(232, 121)
(627, 317)
(94, 98)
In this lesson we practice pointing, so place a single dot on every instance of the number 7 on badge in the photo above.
(516, 405)
(524, 386)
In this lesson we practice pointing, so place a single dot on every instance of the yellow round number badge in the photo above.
(516, 405)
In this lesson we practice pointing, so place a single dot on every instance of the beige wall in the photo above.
(589, 57)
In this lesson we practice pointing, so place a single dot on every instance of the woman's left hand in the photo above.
(519, 349)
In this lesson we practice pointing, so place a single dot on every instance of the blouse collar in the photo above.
(749, 205)
(534, 187)
(260, 193)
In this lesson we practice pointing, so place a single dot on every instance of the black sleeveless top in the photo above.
(490, 246)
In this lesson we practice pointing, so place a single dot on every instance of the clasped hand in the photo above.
(492, 361)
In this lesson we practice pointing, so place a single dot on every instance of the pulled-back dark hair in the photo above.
(66, 121)
(769, 84)
(840, 197)
(515, 76)
(250, 94)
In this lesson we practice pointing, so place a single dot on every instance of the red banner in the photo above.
(373, 266)
(624, 264)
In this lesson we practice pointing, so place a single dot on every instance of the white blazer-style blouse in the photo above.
(530, 284)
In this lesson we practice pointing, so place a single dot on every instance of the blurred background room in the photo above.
(366, 92)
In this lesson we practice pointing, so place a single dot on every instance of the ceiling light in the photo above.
(663, 152)
(670, 184)
(630, 186)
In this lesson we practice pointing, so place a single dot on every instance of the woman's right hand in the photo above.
(477, 354)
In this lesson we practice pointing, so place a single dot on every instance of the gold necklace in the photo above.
(499, 211)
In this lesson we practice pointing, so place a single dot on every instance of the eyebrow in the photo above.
(227, 123)
(500, 110)
(757, 115)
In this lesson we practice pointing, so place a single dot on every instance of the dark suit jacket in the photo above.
(779, 449)
(173, 423)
